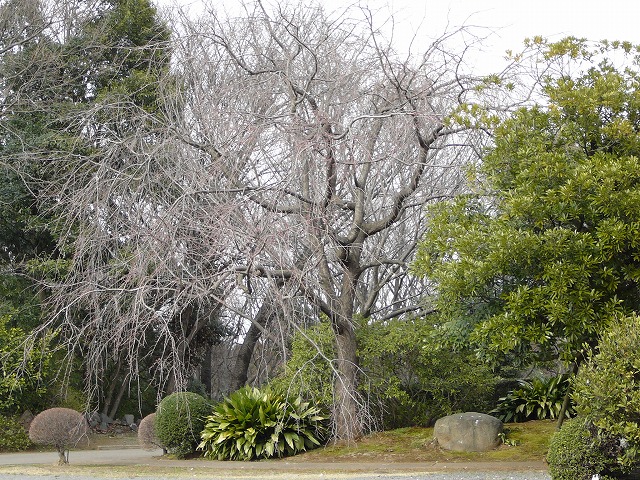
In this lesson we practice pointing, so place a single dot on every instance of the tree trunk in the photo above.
(239, 372)
(112, 388)
(206, 371)
(346, 408)
(347, 418)
(63, 456)
(118, 400)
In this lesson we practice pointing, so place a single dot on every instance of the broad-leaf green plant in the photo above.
(251, 424)
(537, 399)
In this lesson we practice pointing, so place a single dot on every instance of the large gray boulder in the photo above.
(468, 432)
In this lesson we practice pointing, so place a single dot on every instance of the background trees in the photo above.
(541, 257)
(254, 176)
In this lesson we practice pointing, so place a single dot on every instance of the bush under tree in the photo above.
(13, 436)
(578, 452)
(179, 420)
(253, 424)
(607, 387)
(61, 428)
(409, 375)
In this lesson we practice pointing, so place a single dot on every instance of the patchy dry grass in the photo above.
(531, 441)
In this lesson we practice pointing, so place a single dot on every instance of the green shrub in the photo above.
(409, 375)
(13, 436)
(307, 373)
(607, 387)
(253, 424)
(416, 378)
(24, 372)
(179, 421)
(538, 399)
(577, 452)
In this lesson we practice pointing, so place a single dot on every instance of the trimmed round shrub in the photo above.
(252, 424)
(607, 387)
(179, 421)
(147, 437)
(13, 436)
(577, 452)
(62, 428)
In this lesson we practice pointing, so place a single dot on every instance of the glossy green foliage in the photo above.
(409, 373)
(577, 452)
(13, 436)
(416, 378)
(24, 375)
(607, 388)
(546, 251)
(253, 424)
(537, 399)
(179, 420)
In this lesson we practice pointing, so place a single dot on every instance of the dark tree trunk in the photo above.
(112, 387)
(118, 400)
(240, 369)
(206, 371)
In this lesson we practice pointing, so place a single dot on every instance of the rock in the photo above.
(468, 432)
(93, 419)
(104, 418)
(128, 419)
(25, 419)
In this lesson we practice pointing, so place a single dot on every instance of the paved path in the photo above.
(135, 463)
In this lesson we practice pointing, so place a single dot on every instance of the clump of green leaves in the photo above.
(179, 420)
(543, 254)
(410, 375)
(416, 377)
(252, 424)
(23, 372)
(607, 387)
(538, 399)
(13, 436)
(308, 371)
(578, 452)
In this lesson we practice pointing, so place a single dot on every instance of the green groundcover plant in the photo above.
(537, 399)
(252, 424)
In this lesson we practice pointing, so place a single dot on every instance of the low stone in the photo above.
(25, 419)
(128, 419)
(468, 432)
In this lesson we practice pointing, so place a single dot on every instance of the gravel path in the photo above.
(136, 464)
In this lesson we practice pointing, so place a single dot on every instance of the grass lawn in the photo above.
(530, 442)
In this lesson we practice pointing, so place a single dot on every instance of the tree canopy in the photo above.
(543, 251)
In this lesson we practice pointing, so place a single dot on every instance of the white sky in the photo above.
(511, 20)
(514, 20)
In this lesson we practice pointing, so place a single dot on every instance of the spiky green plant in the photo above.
(538, 399)
(251, 424)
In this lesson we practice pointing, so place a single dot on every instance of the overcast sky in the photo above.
(511, 20)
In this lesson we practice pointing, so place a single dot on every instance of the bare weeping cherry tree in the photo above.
(279, 177)
(331, 144)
